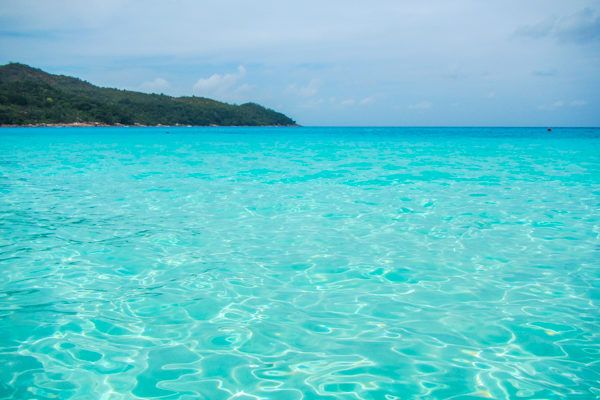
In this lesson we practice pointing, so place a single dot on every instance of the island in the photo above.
(32, 97)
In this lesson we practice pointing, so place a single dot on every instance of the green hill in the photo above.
(31, 96)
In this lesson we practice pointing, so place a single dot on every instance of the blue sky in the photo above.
(386, 62)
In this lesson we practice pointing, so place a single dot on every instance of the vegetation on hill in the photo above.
(32, 96)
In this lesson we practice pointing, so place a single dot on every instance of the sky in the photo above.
(331, 62)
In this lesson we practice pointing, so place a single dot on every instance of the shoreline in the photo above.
(118, 125)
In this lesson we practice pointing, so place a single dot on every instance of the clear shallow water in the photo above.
(315, 263)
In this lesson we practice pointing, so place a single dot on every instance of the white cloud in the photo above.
(580, 27)
(562, 104)
(421, 105)
(552, 106)
(367, 100)
(157, 85)
(350, 102)
(221, 85)
(578, 103)
(313, 102)
(308, 90)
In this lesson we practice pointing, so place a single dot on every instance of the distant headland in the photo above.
(32, 97)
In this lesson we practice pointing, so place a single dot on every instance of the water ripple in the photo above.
(313, 263)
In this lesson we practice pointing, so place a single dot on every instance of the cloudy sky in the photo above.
(336, 62)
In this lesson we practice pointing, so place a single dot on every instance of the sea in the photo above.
(299, 263)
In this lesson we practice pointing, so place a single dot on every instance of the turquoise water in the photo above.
(300, 263)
